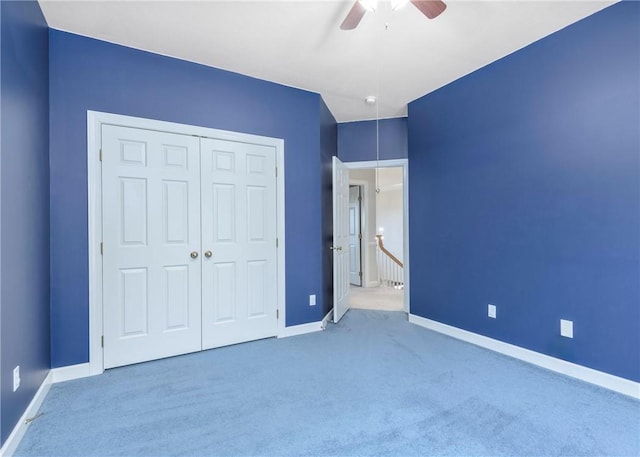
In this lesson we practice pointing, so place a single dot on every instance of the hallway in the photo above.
(377, 298)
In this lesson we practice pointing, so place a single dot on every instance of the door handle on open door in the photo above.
(335, 248)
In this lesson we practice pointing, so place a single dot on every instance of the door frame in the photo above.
(360, 200)
(367, 280)
(404, 164)
(95, 120)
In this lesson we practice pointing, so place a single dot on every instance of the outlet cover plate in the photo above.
(312, 300)
(566, 328)
(491, 311)
(16, 378)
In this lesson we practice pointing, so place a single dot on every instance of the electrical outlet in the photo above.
(312, 300)
(491, 311)
(566, 328)
(16, 378)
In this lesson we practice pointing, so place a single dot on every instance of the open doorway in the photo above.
(355, 234)
(378, 244)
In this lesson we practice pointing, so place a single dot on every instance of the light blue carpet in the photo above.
(372, 385)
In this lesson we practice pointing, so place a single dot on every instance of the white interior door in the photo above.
(340, 239)
(355, 236)
(151, 227)
(239, 295)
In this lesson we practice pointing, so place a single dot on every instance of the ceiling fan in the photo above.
(430, 8)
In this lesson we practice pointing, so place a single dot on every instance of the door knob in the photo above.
(208, 254)
(335, 248)
(194, 255)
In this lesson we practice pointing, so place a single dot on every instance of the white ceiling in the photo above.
(300, 44)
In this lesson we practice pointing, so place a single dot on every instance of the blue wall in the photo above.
(87, 74)
(524, 193)
(357, 140)
(328, 149)
(24, 204)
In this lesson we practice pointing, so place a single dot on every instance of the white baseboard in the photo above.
(599, 378)
(55, 375)
(327, 318)
(301, 329)
(20, 429)
(82, 370)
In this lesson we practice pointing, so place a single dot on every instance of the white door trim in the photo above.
(362, 232)
(395, 163)
(95, 120)
(367, 279)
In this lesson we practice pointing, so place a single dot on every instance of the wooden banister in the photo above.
(383, 249)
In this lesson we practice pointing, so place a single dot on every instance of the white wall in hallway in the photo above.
(389, 210)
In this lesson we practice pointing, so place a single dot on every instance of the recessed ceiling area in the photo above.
(397, 55)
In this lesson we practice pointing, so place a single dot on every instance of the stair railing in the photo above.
(390, 268)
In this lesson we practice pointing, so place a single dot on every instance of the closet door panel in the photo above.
(151, 225)
(239, 229)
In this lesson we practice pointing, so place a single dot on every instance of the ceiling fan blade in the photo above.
(430, 8)
(354, 16)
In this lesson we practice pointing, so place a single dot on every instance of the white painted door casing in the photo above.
(355, 236)
(95, 122)
(391, 163)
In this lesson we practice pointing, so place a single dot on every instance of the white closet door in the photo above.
(151, 227)
(239, 231)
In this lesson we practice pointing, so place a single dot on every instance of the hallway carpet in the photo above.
(378, 298)
(372, 385)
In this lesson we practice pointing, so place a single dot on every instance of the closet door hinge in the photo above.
(101, 248)
(277, 242)
(100, 154)
(277, 314)
(102, 341)
(276, 172)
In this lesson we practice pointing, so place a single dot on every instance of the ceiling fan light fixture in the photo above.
(430, 8)
(369, 5)
(398, 4)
